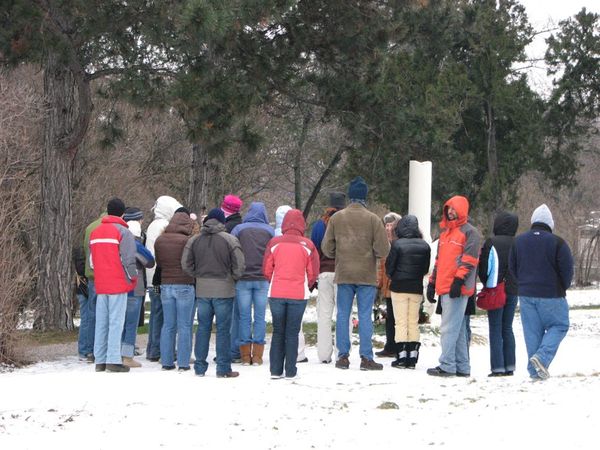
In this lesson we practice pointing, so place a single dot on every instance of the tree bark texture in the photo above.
(492, 160)
(55, 281)
(198, 195)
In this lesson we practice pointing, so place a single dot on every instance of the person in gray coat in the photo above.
(215, 259)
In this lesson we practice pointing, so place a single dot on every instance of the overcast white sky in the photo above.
(545, 14)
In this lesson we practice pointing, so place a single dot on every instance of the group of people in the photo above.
(229, 268)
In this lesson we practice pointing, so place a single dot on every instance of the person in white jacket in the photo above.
(163, 210)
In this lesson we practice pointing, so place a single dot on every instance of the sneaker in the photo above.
(342, 363)
(305, 360)
(369, 364)
(295, 377)
(325, 361)
(385, 354)
(496, 374)
(154, 359)
(230, 374)
(274, 376)
(541, 370)
(236, 360)
(199, 374)
(463, 374)
(183, 369)
(168, 367)
(509, 373)
(100, 367)
(116, 368)
(439, 372)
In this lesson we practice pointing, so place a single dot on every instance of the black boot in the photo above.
(413, 354)
(401, 355)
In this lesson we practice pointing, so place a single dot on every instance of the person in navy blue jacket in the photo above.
(542, 265)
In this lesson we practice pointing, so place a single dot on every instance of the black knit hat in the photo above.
(133, 213)
(215, 213)
(115, 207)
(182, 209)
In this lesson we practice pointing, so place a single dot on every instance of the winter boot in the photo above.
(401, 355)
(116, 368)
(130, 362)
(413, 354)
(245, 354)
(257, 354)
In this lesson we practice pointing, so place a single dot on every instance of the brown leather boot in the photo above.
(130, 362)
(257, 354)
(245, 354)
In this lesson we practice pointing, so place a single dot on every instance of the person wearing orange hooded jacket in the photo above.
(453, 280)
(291, 264)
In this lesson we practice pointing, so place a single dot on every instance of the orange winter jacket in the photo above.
(458, 250)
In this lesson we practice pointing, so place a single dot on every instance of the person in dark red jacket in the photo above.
(291, 264)
(113, 249)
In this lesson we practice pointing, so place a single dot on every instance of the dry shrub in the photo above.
(20, 133)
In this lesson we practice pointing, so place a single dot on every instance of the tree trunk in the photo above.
(64, 127)
(298, 161)
(315, 192)
(198, 195)
(495, 202)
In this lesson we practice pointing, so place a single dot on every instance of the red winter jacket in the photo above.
(112, 253)
(291, 261)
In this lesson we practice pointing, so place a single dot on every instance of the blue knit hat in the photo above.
(358, 189)
(133, 213)
(215, 213)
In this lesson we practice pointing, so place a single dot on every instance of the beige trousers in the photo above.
(406, 313)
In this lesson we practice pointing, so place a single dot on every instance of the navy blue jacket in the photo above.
(542, 263)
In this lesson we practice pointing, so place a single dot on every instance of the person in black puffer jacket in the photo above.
(502, 339)
(406, 265)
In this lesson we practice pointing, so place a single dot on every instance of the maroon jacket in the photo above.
(169, 249)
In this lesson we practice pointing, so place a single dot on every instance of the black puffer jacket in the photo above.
(505, 228)
(408, 261)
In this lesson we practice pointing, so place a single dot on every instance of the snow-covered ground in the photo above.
(65, 404)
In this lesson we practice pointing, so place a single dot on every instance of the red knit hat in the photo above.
(231, 204)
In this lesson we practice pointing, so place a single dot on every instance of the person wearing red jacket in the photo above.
(453, 279)
(291, 264)
(112, 256)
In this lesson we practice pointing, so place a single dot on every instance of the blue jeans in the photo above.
(502, 338)
(132, 317)
(453, 330)
(235, 331)
(110, 317)
(220, 308)
(252, 294)
(287, 322)
(155, 325)
(87, 324)
(365, 296)
(545, 324)
(178, 301)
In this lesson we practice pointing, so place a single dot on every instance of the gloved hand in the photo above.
(314, 286)
(456, 287)
(431, 293)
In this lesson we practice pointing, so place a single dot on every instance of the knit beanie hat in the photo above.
(215, 213)
(115, 207)
(133, 213)
(337, 200)
(358, 189)
(542, 214)
(231, 204)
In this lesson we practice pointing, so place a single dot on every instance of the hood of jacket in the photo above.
(461, 206)
(408, 227)
(279, 215)
(114, 219)
(165, 207)
(212, 226)
(256, 214)
(294, 223)
(135, 227)
(181, 223)
(506, 224)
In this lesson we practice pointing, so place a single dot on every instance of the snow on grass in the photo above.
(65, 404)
